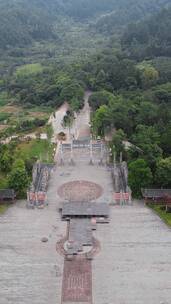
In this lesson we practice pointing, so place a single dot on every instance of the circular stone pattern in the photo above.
(80, 191)
(86, 249)
(60, 247)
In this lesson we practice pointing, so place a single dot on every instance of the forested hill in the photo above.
(22, 21)
(51, 51)
(149, 38)
(127, 11)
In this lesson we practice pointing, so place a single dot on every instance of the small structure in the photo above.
(7, 195)
(167, 199)
(43, 136)
(85, 210)
(122, 198)
(85, 143)
(157, 196)
(82, 217)
(80, 235)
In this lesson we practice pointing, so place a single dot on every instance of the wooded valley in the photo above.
(51, 52)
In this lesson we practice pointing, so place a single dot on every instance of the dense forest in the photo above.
(22, 22)
(126, 12)
(150, 38)
(121, 51)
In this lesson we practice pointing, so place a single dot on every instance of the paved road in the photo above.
(56, 120)
(82, 122)
(80, 127)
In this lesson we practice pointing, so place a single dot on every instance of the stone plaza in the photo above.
(132, 265)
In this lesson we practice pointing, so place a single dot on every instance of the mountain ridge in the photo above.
(22, 22)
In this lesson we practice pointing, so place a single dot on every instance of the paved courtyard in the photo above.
(132, 267)
(134, 264)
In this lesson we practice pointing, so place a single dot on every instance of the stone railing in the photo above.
(37, 192)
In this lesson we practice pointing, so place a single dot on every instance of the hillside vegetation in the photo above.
(128, 11)
(53, 51)
(23, 22)
(150, 38)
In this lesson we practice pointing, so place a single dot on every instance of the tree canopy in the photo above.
(140, 176)
(149, 37)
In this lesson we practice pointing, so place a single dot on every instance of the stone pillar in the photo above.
(121, 157)
(71, 155)
(61, 155)
(101, 154)
(91, 153)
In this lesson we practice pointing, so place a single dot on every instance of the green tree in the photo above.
(117, 141)
(101, 120)
(5, 157)
(147, 113)
(121, 114)
(162, 94)
(18, 178)
(140, 176)
(5, 161)
(100, 98)
(70, 91)
(76, 104)
(163, 173)
(149, 76)
(100, 79)
(148, 140)
(166, 140)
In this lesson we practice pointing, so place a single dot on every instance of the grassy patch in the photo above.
(41, 109)
(3, 208)
(163, 215)
(36, 148)
(29, 69)
(11, 109)
(3, 181)
(3, 99)
(4, 116)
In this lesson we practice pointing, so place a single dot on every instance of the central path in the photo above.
(77, 274)
(77, 281)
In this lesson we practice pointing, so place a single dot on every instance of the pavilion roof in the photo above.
(156, 193)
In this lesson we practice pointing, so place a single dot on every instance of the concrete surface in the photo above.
(133, 266)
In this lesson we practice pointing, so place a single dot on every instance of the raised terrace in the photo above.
(84, 209)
